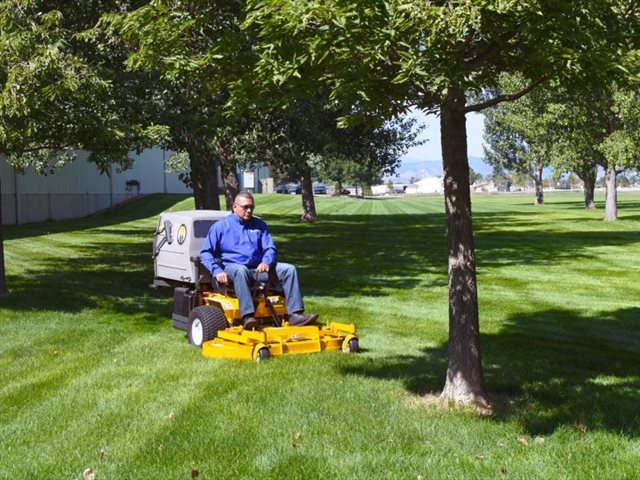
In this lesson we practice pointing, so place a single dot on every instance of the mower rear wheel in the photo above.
(204, 323)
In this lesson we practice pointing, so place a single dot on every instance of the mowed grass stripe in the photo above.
(96, 377)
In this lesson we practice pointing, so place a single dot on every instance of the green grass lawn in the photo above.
(92, 375)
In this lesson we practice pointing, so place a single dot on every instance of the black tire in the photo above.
(263, 354)
(353, 346)
(204, 323)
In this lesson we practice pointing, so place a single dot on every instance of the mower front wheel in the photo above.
(204, 323)
(261, 354)
(351, 346)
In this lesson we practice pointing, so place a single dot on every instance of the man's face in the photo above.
(243, 208)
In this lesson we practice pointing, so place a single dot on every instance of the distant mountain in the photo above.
(432, 168)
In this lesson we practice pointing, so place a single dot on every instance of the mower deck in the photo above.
(237, 343)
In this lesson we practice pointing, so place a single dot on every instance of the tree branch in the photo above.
(471, 35)
(631, 10)
(491, 49)
(6, 151)
(505, 98)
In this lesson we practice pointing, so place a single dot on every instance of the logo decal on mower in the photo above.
(182, 234)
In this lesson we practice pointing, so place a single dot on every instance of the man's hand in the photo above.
(262, 268)
(222, 277)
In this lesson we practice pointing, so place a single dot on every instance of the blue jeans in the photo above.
(242, 276)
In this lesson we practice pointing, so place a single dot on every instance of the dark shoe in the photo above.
(300, 319)
(250, 323)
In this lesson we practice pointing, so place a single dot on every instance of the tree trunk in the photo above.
(308, 202)
(611, 203)
(4, 291)
(589, 195)
(588, 177)
(230, 184)
(337, 190)
(204, 177)
(537, 179)
(465, 380)
(205, 193)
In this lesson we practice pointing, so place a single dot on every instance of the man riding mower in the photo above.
(240, 246)
(209, 310)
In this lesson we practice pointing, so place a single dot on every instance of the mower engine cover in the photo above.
(178, 237)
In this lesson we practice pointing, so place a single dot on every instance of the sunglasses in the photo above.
(246, 207)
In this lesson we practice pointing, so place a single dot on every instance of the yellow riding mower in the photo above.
(209, 312)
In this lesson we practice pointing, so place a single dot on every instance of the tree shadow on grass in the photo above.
(346, 255)
(568, 369)
(110, 269)
(527, 247)
(340, 256)
(115, 277)
(547, 370)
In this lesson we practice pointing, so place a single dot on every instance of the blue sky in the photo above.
(431, 149)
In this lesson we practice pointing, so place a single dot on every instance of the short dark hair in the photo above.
(245, 195)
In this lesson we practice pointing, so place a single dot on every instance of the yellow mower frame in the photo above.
(219, 314)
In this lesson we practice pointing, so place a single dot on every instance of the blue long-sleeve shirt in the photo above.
(234, 241)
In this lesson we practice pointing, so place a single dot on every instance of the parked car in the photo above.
(319, 189)
(294, 188)
(281, 189)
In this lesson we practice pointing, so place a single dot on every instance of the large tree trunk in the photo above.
(308, 202)
(205, 193)
(611, 203)
(537, 179)
(230, 184)
(204, 177)
(3, 280)
(465, 381)
(588, 177)
(589, 189)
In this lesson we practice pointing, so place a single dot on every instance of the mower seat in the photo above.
(207, 282)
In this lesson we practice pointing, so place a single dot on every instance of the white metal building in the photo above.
(78, 190)
(426, 185)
